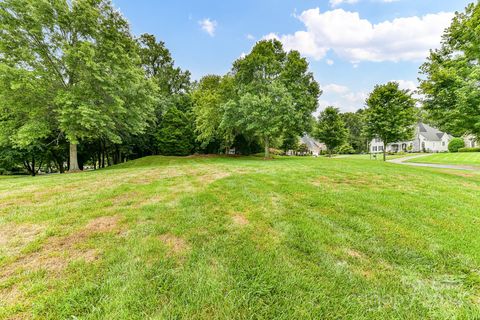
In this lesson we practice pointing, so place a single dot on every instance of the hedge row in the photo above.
(469, 150)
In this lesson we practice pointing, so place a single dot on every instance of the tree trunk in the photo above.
(384, 152)
(73, 158)
(32, 170)
(267, 148)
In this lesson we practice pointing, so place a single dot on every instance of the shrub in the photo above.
(275, 152)
(469, 150)
(456, 144)
(345, 149)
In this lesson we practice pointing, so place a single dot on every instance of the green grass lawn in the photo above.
(461, 158)
(242, 238)
(379, 156)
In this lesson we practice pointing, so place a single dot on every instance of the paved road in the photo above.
(430, 165)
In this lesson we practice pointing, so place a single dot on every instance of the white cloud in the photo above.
(357, 39)
(209, 26)
(330, 62)
(335, 88)
(250, 37)
(335, 3)
(406, 84)
(342, 97)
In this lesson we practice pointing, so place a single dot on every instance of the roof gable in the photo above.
(430, 133)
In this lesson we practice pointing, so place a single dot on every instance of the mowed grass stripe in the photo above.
(461, 158)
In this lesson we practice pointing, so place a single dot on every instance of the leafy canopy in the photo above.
(275, 94)
(331, 129)
(70, 66)
(452, 73)
(390, 114)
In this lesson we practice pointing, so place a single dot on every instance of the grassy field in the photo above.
(465, 158)
(242, 238)
(378, 157)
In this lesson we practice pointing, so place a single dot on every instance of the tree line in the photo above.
(78, 90)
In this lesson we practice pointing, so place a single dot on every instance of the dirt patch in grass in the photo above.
(354, 254)
(176, 245)
(102, 224)
(57, 252)
(10, 296)
(240, 220)
(356, 181)
(14, 237)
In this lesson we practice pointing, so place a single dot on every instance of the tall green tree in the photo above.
(355, 123)
(451, 75)
(77, 66)
(390, 114)
(330, 129)
(173, 97)
(209, 98)
(174, 136)
(275, 93)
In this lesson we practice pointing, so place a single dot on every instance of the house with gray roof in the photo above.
(313, 146)
(426, 139)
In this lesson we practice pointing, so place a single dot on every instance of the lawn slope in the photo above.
(237, 238)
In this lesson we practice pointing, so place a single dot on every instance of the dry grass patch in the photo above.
(360, 181)
(240, 220)
(57, 252)
(176, 245)
(14, 237)
(354, 254)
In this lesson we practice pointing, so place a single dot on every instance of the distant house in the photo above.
(471, 141)
(426, 139)
(314, 147)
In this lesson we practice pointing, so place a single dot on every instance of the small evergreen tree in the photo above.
(174, 136)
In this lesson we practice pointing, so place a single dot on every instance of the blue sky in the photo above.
(351, 44)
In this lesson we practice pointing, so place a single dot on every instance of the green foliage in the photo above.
(290, 142)
(355, 123)
(455, 144)
(390, 114)
(331, 129)
(345, 149)
(275, 94)
(476, 149)
(262, 115)
(209, 98)
(451, 76)
(174, 136)
(69, 66)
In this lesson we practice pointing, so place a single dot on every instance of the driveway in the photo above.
(430, 165)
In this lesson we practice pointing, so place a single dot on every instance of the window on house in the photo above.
(443, 143)
(374, 148)
(380, 148)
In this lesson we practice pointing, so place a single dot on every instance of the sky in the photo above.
(351, 45)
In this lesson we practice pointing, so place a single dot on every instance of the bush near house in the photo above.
(469, 150)
(345, 149)
(455, 144)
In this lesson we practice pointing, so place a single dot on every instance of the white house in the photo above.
(471, 141)
(426, 139)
